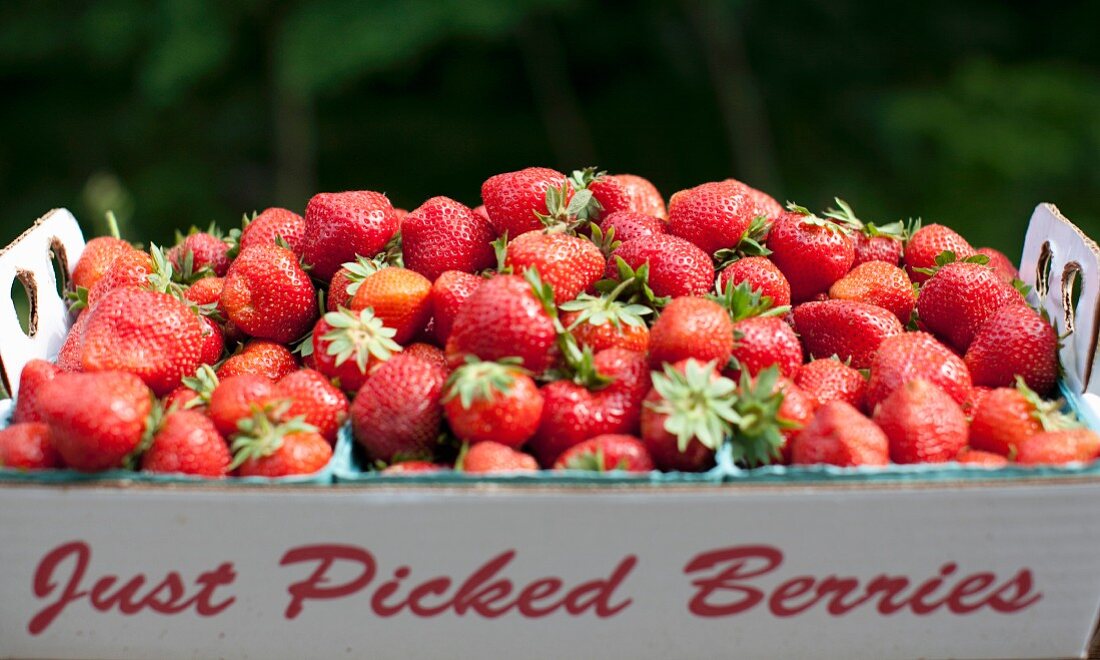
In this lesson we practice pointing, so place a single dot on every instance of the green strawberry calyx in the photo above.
(478, 381)
(846, 218)
(361, 269)
(579, 364)
(758, 433)
(203, 383)
(1049, 414)
(742, 301)
(233, 239)
(606, 242)
(949, 257)
(359, 336)
(751, 243)
(601, 310)
(153, 423)
(262, 434)
(808, 218)
(567, 213)
(696, 403)
(632, 285)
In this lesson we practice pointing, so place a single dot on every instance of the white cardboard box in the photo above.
(997, 569)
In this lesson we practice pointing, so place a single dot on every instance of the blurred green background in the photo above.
(187, 111)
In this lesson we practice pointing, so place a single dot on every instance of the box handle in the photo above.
(29, 259)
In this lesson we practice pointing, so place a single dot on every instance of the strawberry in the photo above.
(428, 353)
(27, 446)
(760, 338)
(981, 458)
(1007, 416)
(414, 467)
(573, 413)
(914, 355)
(35, 373)
(97, 258)
(604, 322)
(852, 331)
(398, 412)
(872, 242)
(831, 380)
(442, 234)
(449, 292)
(766, 206)
(959, 298)
(974, 400)
(505, 318)
(198, 254)
(69, 355)
(345, 283)
(493, 457)
(314, 399)
(713, 216)
(515, 201)
(260, 357)
(771, 411)
(691, 328)
(266, 449)
(146, 333)
(628, 225)
(1014, 341)
(811, 252)
(347, 345)
(492, 401)
(626, 192)
(569, 264)
(236, 398)
(1000, 263)
(929, 242)
(268, 295)
(195, 392)
(341, 225)
(213, 341)
(878, 283)
(401, 298)
(1059, 447)
(97, 419)
(840, 435)
(129, 269)
(762, 275)
(687, 415)
(923, 423)
(271, 225)
(187, 442)
(675, 267)
(207, 291)
(605, 453)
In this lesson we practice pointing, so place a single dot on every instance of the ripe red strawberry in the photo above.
(490, 401)
(1000, 263)
(414, 467)
(1059, 447)
(207, 291)
(572, 413)
(35, 373)
(236, 398)
(97, 419)
(959, 298)
(811, 252)
(313, 398)
(213, 341)
(69, 355)
(878, 283)
(687, 415)
(515, 200)
(399, 297)
(1014, 341)
(604, 322)
(923, 423)
(398, 412)
(271, 224)
(981, 458)
(268, 295)
(428, 353)
(442, 234)
(187, 442)
(569, 264)
(129, 269)
(493, 457)
(628, 225)
(605, 453)
(929, 242)
(341, 225)
(760, 338)
(149, 334)
(504, 318)
(97, 258)
(347, 345)
(974, 401)
(643, 195)
(914, 355)
(208, 254)
(27, 446)
(675, 266)
(279, 450)
(1004, 418)
(449, 292)
(691, 328)
(831, 380)
(852, 331)
(762, 275)
(260, 357)
(713, 216)
(840, 435)
(766, 206)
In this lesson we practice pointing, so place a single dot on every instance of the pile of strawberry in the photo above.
(571, 322)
